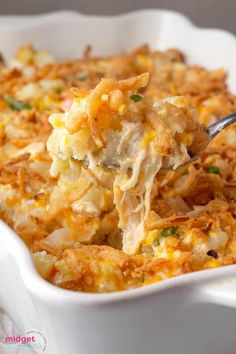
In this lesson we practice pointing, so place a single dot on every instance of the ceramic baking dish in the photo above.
(189, 314)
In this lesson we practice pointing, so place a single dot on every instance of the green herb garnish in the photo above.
(16, 105)
(155, 242)
(169, 231)
(213, 169)
(58, 89)
(135, 97)
(82, 78)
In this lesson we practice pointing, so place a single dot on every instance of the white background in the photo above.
(207, 13)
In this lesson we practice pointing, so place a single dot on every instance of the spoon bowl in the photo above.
(213, 130)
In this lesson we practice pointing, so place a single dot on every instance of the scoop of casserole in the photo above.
(119, 130)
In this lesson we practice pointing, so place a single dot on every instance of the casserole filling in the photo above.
(128, 137)
(102, 210)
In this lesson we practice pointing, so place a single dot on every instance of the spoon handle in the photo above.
(216, 127)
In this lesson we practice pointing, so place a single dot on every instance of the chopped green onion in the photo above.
(213, 169)
(58, 89)
(16, 105)
(169, 231)
(142, 277)
(155, 242)
(135, 97)
(82, 78)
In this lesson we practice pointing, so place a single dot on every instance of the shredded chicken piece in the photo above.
(157, 136)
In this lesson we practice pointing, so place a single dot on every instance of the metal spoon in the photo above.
(221, 124)
(214, 129)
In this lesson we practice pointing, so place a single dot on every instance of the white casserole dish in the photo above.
(178, 316)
